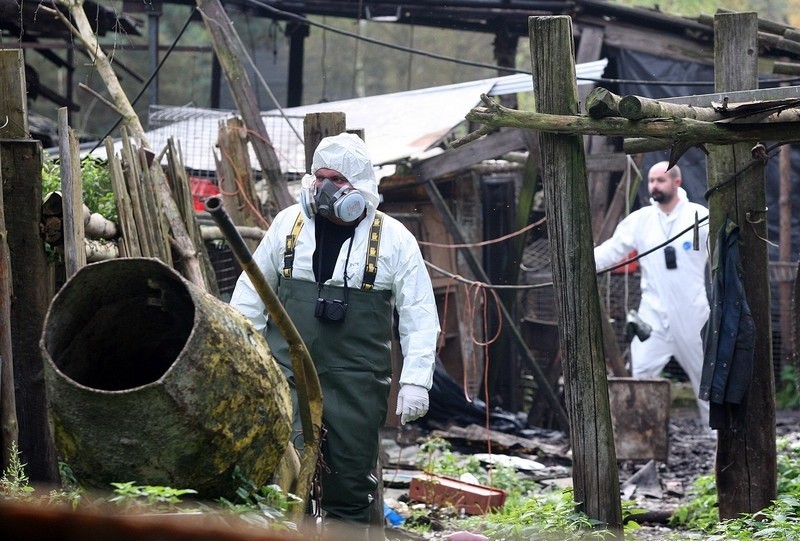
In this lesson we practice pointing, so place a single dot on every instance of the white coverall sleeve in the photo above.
(418, 318)
(617, 248)
(267, 257)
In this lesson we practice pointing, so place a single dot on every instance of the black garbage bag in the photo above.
(450, 407)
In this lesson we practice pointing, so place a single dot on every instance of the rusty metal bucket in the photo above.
(640, 417)
(150, 379)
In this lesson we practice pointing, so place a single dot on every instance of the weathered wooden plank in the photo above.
(737, 96)
(457, 159)
(72, 190)
(13, 97)
(746, 456)
(236, 177)
(129, 242)
(22, 185)
(595, 474)
(317, 126)
(9, 427)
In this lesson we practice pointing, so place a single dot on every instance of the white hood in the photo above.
(347, 154)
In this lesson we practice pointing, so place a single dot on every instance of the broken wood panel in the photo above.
(485, 148)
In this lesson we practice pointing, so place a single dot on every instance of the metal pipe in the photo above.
(309, 392)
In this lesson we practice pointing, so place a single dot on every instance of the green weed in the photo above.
(14, 485)
(98, 193)
(781, 520)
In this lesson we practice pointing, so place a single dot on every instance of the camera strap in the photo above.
(371, 268)
(291, 242)
(344, 274)
(373, 248)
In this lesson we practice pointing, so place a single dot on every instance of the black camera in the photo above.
(333, 310)
(670, 258)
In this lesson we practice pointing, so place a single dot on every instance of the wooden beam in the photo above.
(737, 96)
(487, 148)
(595, 474)
(22, 184)
(677, 130)
(9, 426)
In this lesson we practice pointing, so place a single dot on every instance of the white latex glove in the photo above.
(412, 402)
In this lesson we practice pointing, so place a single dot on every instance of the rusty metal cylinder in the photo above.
(152, 380)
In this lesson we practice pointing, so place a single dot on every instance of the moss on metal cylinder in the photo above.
(152, 380)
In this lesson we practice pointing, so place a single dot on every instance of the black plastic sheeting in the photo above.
(449, 406)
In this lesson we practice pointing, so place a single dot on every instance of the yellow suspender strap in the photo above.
(371, 269)
(291, 241)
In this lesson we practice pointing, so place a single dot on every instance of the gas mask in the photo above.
(345, 203)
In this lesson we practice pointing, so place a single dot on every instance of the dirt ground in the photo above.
(662, 486)
(692, 453)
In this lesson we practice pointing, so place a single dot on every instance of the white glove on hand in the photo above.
(412, 402)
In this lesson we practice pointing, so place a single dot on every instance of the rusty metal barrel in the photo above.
(150, 379)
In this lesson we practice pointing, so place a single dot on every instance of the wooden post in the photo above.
(72, 191)
(9, 428)
(595, 474)
(223, 39)
(746, 457)
(236, 177)
(21, 174)
(785, 286)
(317, 126)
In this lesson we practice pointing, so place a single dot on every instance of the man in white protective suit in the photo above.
(674, 300)
(341, 268)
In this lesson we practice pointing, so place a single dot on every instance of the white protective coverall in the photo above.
(401, 268)
(352, 355)
(674, 302)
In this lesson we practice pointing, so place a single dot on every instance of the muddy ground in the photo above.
(658, 487)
